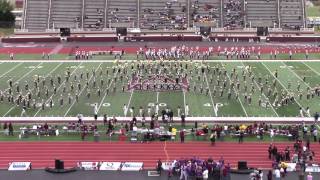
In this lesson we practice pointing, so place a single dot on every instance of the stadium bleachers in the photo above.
(206, 9)
(37, 15)
(122, 11)
(291, 13)
(162, 14)
(66, 13)
(233, 14)
(261, 13)
(94, 14)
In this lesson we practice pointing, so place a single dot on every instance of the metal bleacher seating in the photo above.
(40, 15)
(233, 14)
(291, 13)
(94, 14)
(262, 13)
(206, 8)
(122, 11)
(36, 15)
(163, 14)
(66, 13)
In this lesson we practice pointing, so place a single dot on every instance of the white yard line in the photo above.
(74, 101)
(128, 106)
(311, 68)
(18, 81)
(243, 108)
(57, 90)
(11, 69)
(105, 94)
(184, 99)
(158, 96)
(111, 61)
(281, 84)
(264, 95)
(297, 75)
(212, 102)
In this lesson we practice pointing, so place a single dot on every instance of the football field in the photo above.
(225, 88)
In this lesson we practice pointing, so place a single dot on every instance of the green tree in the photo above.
(7, 19)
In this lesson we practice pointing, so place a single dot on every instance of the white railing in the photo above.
(52, 30)
(25, 7)
(109, 29)
(274, 29)
(250, 29)
(307, 29)
(20, 30)
(217, 29)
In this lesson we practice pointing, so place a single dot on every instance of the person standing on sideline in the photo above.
(186, 109)
(277, 174)
(183, 120)
(309, 177)
(241, 136)
(95, 109)
(125, 110)
(213, 138)
(315, 134)
(181, 136)
(269, 176)
(205, 174)
(159, 167)
(301, 112)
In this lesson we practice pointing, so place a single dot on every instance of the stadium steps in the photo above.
(291, 13)
(66, 13)
(261, 12)
(37, 15)
(94, 13)
(127, 11)
(202, 11)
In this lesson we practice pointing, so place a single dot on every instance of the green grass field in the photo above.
(313, 11)
(200, 104)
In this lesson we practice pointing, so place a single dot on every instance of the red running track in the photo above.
(42, 154)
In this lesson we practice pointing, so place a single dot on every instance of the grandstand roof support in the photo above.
(221, 13)
(82, 14)
(303, 5)
(188, 13)
(25, 6)
(49, 14)
(105, 14)
(138, 14)
(279, 16)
